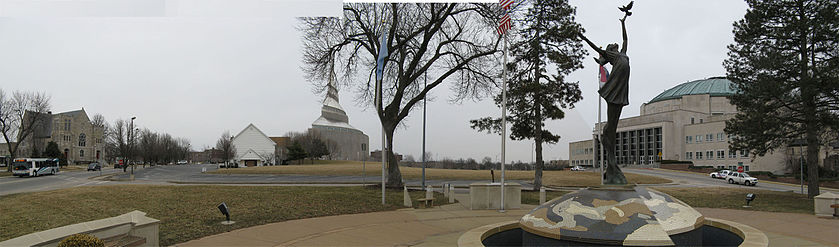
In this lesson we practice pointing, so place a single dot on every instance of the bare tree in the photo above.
(116, 141)
(225, 145)
(451, 42)
(21, 113)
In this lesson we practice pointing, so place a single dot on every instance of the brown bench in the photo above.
(834, 206)
(426, 201)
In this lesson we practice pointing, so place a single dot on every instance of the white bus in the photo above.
(34, 167)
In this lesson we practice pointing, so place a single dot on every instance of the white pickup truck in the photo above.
(720, 174)
(741, 178)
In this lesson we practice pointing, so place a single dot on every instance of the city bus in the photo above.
(34, 167)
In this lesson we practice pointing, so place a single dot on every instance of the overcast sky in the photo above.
(196, 68)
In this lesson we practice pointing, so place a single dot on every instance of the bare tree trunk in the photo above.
(810, 121)
(394, 176)
(537, 177)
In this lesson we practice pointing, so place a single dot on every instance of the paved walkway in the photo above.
(443, 225)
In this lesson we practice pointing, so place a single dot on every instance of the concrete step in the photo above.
(124, 241)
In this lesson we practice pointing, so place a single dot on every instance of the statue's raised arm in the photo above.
(623, 28)
(597, 49)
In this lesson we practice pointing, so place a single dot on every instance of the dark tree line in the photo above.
(143, 146)
(161, 148)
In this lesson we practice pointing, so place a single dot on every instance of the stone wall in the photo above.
(135, 224)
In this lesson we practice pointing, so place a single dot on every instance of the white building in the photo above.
(684, 123)
(253, 147)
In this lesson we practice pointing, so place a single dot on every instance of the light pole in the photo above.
(130, 146)
(801, 166)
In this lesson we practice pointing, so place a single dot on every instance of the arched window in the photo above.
(81, 140)
(81, 153)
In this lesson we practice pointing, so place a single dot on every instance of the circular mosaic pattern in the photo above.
(615, 215)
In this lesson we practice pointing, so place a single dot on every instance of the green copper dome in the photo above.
(715, 86)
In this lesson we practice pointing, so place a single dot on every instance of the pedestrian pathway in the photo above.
(443, 225)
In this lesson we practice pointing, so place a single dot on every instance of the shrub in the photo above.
(701, 167)
(81, 240)
(676, 162)
(757, 173)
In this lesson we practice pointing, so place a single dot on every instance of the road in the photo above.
(688, 179)
(64, 179)
(192, 174)
(186, 174)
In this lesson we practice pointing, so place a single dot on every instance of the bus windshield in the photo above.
(20, 165)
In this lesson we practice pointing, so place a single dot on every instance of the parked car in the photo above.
(182, 162)
(741, 178)
(117, 165)
(94, 167)
(720, 174)
(578, 168)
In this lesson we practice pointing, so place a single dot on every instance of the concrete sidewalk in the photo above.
(443, 225)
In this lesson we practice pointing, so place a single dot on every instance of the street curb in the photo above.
(277, 182)
(760, 181)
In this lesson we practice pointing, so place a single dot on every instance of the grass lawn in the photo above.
(5, 174)
(718, 197)
(552, 178)
(188, 212)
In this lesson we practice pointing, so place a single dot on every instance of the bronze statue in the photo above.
(616, 94)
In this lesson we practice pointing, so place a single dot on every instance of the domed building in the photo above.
(683, 123)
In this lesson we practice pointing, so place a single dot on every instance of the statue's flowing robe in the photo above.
(616, 89)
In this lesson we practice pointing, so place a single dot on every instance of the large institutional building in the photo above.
(684, 123)
(78, 139)
(333, 125)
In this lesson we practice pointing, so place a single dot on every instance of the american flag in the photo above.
(505, 4)
(504, 24)
(604, 75)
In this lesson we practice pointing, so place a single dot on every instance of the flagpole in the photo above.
(423, 131)
(600, 132)
(600, 74)
(380, 61)
(503, 121)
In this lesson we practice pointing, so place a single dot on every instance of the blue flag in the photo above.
(380, 62)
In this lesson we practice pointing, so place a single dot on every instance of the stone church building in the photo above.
(77, 137)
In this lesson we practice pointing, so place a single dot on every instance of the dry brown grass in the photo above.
(187, 212)
(352, 168)
(735, 198)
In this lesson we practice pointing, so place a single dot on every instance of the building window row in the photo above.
(734, 168)
(720, 137)
(641, 146)
(732, 154)
(582, 162)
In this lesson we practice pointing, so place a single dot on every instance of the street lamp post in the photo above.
(130, 146)
(801, 167)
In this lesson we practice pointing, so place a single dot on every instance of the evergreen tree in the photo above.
(785, 65)
(53, 152)
(295, 151)
(535, 93)
(317, 149)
